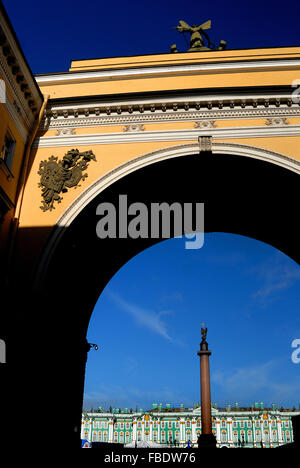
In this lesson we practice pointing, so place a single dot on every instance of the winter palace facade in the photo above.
(249, 429)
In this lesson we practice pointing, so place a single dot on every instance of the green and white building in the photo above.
(249, 428)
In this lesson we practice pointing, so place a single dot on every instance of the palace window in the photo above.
(8, 149)
(127, 425)
(177, 436)
(139, 425)
(249, 435)
(126, 438)
(266, 437)
(94, 434)
(223, 436)
(154, 436)
(155, 425)
(99, 436)
(177, 424)
(86, 435)
(188, 424)
(139, 436)
(242, 424)
(163, 436)
(249, 423)
(286, 423)
(188, 435)
(95, 424)
(170, 437)
(147, 425)
(121, 438)
(169, 424)
(258, 438)
(257, 423)
(234, 424)
(162, 424)
(223, 423)
(122, 425)
(287, 436)
(265, 423)
(115, 437)
(105, 436)
(273, 423)
(235, 436)
(274, 436)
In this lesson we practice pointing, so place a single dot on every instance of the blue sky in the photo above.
(147, 323)
(52, 34)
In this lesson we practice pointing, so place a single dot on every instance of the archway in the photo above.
(241, 195)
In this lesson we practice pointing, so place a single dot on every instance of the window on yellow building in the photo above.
(8, 149)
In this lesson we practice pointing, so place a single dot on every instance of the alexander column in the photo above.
(207, 438)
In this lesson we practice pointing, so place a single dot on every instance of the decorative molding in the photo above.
(205, 124)
(65, 131)
(170, 135)
(277, 121)
(58, 117)
(205, 144)
(134, 128)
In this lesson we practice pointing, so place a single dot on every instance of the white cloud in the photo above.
(144, 317)
(249, 383)
(277, 274)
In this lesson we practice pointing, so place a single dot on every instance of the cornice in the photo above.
(168, 110)
(17, 75)
(168, 70)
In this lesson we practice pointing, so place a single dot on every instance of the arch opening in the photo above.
(242, 196)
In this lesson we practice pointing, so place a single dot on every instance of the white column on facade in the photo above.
(218, 428)
(82, 429)
(134, 437)
(90, 429)
(151, 431)
(254, 431)
(279, 429)
(262, 434)
(194, 434)
(270, 432)
(182, 430)
(110, 430)
(229, 429)
(143, 429)
(158, 432)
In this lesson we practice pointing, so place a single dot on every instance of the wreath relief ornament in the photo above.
(57, 176)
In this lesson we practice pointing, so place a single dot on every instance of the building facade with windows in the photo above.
(20, 104)
(250, 429)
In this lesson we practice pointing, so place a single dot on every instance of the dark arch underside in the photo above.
(243, 196)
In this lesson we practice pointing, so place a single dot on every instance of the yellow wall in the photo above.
(111, 156)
